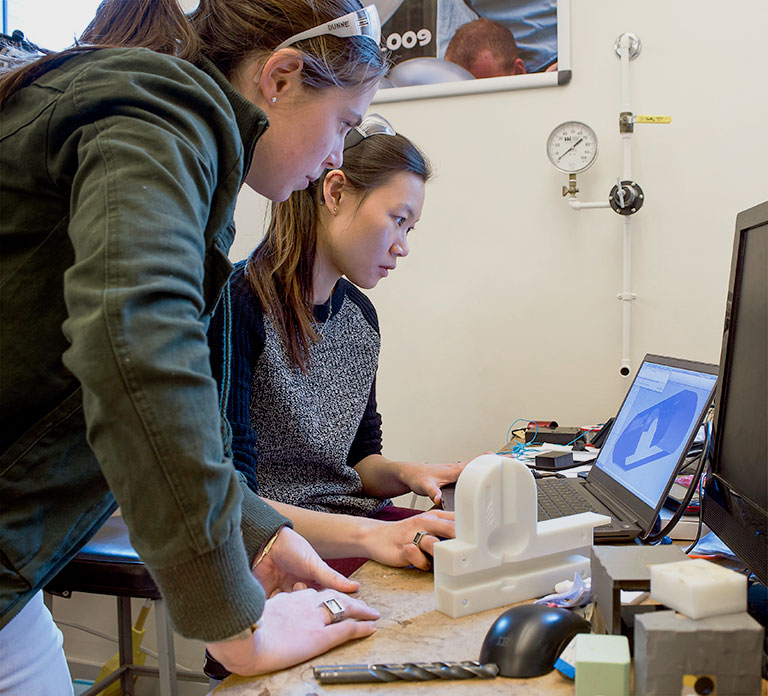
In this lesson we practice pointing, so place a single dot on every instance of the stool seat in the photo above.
(108, 565)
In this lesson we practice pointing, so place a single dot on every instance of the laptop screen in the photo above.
(653, 427)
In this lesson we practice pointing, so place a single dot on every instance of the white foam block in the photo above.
(699, 588)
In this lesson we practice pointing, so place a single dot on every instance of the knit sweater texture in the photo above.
(297, 435)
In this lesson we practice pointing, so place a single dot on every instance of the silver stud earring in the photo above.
(274, 99)
(335, 210)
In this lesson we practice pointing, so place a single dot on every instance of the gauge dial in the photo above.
(572, 147)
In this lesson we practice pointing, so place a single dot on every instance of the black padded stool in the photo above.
(108, 565)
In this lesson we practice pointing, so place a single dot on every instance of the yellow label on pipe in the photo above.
(653, 119)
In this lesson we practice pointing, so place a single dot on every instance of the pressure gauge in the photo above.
(572, 147)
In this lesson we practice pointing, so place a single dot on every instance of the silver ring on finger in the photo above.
(334, 606)
(417, 539)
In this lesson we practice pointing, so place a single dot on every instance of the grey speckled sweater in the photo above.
(297, 436)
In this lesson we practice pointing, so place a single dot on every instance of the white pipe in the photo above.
(624, 46)
(576, 204)
(627, 142)
(626, 298)
(626, 295)
(626, 107)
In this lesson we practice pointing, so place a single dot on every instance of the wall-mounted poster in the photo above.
(445, 47)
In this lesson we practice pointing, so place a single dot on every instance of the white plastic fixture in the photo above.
(501, 554)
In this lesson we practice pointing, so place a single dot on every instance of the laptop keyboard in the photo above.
(558, 498)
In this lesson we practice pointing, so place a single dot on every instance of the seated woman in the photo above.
(298, 382)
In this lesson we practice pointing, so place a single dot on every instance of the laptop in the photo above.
(648, 442)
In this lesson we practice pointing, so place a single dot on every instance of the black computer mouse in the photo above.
(526, 640)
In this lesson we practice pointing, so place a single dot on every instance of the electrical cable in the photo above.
(113, 639)
(578, 437)
(567, 444)
(518, 449)
(701, 516)
(86, 629)
(653, 538)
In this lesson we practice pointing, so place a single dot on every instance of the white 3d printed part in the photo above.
(699, 588)
(501, 554)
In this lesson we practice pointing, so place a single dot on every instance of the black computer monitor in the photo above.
(735, 500)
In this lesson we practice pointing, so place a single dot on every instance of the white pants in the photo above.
(32, 661)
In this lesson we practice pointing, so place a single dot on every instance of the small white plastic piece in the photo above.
(699, 588)
(501, 554)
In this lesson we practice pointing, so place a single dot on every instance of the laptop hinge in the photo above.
(612, 503)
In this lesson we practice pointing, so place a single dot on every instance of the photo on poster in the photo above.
(448, 47)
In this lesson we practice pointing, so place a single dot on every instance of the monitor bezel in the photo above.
(719, 501)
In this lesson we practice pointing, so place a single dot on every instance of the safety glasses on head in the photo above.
(363, 22)
(371, 125)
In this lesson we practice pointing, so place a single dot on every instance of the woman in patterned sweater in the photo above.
(298, 381)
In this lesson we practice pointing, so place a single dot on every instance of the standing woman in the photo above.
(120, 163)
(299, 378)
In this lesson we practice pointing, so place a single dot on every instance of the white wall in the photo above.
(506, 306)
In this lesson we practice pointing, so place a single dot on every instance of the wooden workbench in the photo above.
(409, 630)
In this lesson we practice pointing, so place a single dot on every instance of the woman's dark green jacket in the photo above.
(119, 171)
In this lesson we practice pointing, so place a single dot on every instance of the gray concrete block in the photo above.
(669, 645)
(617, 568)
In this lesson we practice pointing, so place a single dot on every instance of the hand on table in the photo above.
(294, 627)
(292, 560)
(391, 543)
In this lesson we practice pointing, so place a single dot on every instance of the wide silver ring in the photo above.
(417, 539)
(333, 606)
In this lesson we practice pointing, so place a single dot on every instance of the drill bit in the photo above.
(409, 671)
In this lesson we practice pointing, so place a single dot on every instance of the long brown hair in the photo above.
(227, 32)
(281, 268)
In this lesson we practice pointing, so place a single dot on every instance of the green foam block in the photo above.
(602, 665)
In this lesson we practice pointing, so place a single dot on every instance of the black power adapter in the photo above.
(552, 461)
